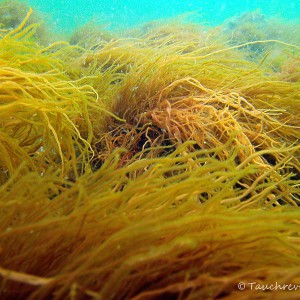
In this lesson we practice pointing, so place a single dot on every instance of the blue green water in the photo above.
(120, 13)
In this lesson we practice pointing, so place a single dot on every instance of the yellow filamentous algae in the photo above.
(161, 165)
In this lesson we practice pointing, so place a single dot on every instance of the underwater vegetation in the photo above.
(160, 163)
(13, 12)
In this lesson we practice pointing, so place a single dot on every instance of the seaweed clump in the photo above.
(148, 167)
(90, 36)
(12, 14)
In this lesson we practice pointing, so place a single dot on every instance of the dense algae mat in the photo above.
(160, 166)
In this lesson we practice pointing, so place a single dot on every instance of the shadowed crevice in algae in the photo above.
(160, 163)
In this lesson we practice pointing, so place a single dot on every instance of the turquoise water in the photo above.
(68, 14)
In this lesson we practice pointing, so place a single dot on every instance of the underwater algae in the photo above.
(147, 167)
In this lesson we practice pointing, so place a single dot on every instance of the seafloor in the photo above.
(160, 162)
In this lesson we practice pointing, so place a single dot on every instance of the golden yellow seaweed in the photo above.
(156, 166)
